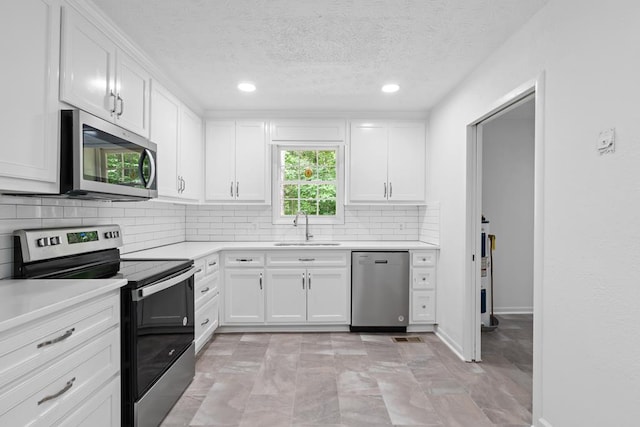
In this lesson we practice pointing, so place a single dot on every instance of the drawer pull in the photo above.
(306, 259)
(56, 340)
(205, 290)
(212, 263)
(244, 259)
(424, 279)
(198, 271)
(205, 322)
(58, 394)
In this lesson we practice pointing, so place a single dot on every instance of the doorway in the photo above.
(531, 92)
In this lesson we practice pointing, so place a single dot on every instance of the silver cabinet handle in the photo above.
(385, 190)
(179, 184)
(390, 190)
(205, 290)
(309, 281)
(60, 338)
(113, 95)
(205, 322)
(244, 259)
(213, 263)
(184, 185)
(198, 271)
(231, 189)
(58, 394)
(260, 281)
(306, 259)
(303, 281)
(121, 105)
(237, 189)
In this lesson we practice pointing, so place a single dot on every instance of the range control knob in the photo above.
(108, 235)
(42, 242)
(55, 240)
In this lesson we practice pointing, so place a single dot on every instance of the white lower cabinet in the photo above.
(68, 368)
(308, 294)
(207, 297)
(423, 287)
(244, 295)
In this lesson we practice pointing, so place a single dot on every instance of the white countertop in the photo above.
(23, 300)
(193, 250)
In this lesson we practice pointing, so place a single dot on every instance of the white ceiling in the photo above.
(318, 55)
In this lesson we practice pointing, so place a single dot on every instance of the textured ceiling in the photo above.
(319, 55)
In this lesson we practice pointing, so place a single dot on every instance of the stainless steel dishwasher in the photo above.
(379, 291)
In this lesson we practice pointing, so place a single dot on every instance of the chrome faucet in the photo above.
(307, 235)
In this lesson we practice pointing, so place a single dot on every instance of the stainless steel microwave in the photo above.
(100, 160)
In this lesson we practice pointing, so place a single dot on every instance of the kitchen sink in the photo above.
(307, 244)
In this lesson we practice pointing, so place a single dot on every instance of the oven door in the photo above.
(162, 322)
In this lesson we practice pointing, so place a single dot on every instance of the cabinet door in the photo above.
(407, 162)
(244, 295)
(165, 116)
(368, 162)
(286, 295)
(328, 295)
(220, 160)
(251, 165)
(423, 306)
(191, 151)
(29, 42)
(132, 91)
(87, 75)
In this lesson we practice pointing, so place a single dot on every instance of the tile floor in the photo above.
(342, 379)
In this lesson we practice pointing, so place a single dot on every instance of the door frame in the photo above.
(471, 332)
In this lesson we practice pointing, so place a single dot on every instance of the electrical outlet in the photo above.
(401, 226)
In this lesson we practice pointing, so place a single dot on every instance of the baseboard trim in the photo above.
(231, 329)
(453, 346)
(544, 423)
(513, 310)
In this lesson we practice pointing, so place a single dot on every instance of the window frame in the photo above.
(277, 184)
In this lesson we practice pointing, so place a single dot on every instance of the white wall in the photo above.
(507, 202)
(590, 314)
(144, 224)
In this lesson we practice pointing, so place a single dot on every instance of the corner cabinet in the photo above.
(387, 162)
(30, 31)
(98, 77)
(237, 162)
(178, 133)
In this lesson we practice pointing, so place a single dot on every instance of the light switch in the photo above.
(607, 141)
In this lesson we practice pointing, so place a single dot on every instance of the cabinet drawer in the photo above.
(424, 278)
(212, 264)
(307, 258)
(199, 265)
(102, 409)
(29, 347)
(206, 288)
(244, 259)
(423, 307)
(52, 393)
(424, 259)
(206, 321)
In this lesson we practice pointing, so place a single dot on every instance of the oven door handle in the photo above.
(140, 294)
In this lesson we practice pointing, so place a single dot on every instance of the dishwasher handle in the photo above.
(381, 261)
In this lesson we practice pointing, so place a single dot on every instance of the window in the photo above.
(309, 179)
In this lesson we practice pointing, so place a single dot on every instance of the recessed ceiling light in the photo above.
(390, 88)
(246, 87)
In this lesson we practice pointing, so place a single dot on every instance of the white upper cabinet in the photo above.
(307, 131)
(30, 119)
(236, 161)
(99, 78)
(178, 133)
(190, 154)
(387, 162)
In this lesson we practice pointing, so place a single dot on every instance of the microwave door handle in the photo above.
(140, 294)
(152, 164)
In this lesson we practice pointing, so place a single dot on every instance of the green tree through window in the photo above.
(309, 181)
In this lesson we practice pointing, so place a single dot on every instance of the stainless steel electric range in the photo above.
(157, 312)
